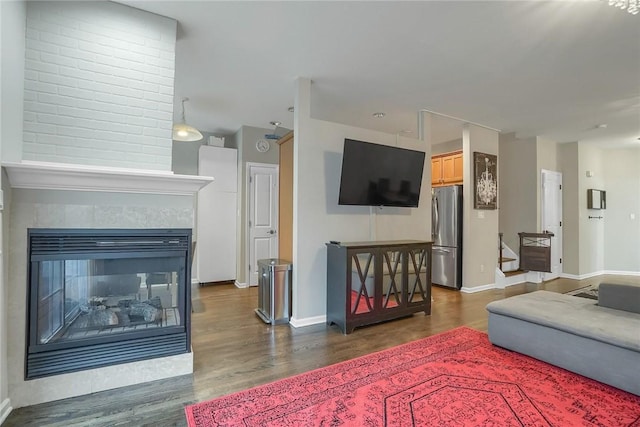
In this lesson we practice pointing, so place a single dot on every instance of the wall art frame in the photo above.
(485, 181)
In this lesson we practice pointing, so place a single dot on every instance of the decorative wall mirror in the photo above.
(596, 199)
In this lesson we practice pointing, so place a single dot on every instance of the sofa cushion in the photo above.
(619, 297)
(575, 315)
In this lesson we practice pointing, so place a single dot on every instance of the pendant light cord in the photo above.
(184, 120)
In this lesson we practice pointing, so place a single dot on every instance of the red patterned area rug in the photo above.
(452, 379)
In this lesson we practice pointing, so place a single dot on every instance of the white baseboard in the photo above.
(194, 281)
(623, 273)
(5, 410)
(599, 273)
(474, 289)
(308, 321)
(241, 285)
(582, 276)
(594, 274)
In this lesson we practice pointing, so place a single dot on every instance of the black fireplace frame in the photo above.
(42, 360)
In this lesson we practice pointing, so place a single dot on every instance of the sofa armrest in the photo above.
(619, 297)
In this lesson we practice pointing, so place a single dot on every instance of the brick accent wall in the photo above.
(98, 85)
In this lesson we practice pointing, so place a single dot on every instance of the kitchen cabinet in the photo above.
(446, 169)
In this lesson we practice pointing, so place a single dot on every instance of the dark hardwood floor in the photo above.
(235, 350)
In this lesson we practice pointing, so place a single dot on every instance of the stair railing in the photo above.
(500, 246)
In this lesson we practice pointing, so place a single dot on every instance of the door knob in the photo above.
(272, 231)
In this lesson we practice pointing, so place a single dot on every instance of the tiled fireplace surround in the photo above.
(98, 103)
(38, 208)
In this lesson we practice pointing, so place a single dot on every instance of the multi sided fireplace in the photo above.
(100, 297)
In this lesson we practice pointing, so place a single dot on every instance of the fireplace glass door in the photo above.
(83, 298)
(101, 297)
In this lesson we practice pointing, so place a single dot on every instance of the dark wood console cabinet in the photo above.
(371, 282)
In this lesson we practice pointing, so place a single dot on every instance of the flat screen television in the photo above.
(380, 175)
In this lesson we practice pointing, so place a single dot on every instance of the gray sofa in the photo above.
(597, 339)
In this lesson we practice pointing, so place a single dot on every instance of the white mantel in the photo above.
(65, 176)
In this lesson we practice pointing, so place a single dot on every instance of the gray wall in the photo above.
(568, 162)
(622, 223)
(446, 147)
(610, 244)
(246, 139)
(480, 227)
(184, 154)
(185, 161)
(521, 162)
(4, 300)
(184, 157)
(317, 216)
(592, 239)
(517, 178)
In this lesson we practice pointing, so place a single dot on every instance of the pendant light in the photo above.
(183, 132)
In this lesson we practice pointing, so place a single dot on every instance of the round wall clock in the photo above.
(262, 145)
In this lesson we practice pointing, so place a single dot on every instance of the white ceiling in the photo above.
(553, 69)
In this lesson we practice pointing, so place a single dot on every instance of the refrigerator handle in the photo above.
(435, 220)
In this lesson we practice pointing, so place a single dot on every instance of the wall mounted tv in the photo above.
(380, 175)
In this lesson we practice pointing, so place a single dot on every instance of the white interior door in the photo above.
(551, 182)
(263, 216)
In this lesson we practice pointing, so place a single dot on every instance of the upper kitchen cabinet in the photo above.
(446, 169)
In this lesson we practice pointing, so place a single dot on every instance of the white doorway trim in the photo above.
(272, 228)
(551, 217)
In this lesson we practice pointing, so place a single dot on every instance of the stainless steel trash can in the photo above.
(274, 291)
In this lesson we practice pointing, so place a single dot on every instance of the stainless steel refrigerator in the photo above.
(446, 232)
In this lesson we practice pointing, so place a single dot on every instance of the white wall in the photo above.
(12, 41)
(622, 224)
(98, 85)
(317, 216)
